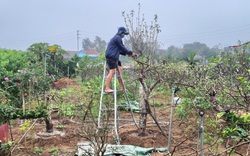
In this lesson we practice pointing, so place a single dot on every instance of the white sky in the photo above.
(213, 22)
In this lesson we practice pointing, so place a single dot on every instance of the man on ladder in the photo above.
(114, 49)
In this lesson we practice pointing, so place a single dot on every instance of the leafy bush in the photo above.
(8, 112)
(12, 62)
(5, 111)
(38, 151)
(238, 126)
(5, 148)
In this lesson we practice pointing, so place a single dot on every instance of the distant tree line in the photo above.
(98, 44)
(199, 50)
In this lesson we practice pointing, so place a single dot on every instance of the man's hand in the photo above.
(133, 55)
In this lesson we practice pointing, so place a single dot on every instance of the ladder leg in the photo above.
(100, 107)
(126, 96)
(115, 111)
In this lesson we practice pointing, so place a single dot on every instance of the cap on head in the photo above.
(122, 30)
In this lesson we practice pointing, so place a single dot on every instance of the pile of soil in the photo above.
(64, 83)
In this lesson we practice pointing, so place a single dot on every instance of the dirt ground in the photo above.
(65, 143)
(184, 140)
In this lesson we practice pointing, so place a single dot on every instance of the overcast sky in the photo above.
(213, 22)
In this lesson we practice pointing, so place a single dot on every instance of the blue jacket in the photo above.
(115, 48)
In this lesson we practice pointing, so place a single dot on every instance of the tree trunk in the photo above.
(143, 117)
(49, 125)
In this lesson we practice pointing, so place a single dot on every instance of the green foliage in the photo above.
(29, 114)
(133, 106)
(8, 112)
(71, 65)
(238, 126)
(25, 125)
(181, 112)
(52, 59)
(202, 103)
(184, 108)
(5, 111)
(191, 59)
(90, 68)
(236, 133)
(92, 88)
(38, 49)
(244, 83)
(5, 148)
(54, 151)
(68, 110)
(230, 74)
(11, 62)
(212, 129)
(59, 126)
(24, 75)
(74, 101)
(38, 151)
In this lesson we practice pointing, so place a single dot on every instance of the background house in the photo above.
(89, 53)
(81, 53)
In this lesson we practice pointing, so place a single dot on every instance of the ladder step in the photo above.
(106, 127)
(108, 109)
(105, 93)
(125, 119)
(112, 121)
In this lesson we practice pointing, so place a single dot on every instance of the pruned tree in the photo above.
(143, 39)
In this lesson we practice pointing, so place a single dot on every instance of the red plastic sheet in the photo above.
(4, 133)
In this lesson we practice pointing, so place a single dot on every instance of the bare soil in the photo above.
(184, 139)
(65, 143)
